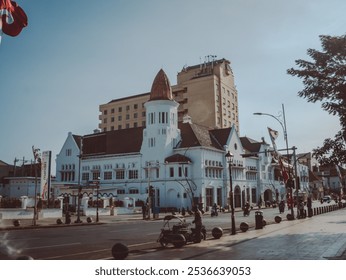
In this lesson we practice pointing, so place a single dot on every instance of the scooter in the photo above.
(213, 212)
(246, 211)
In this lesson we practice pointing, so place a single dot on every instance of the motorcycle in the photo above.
(178, 232)
(213, 212)
(246, 211)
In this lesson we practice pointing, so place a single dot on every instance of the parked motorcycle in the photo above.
(177, 232)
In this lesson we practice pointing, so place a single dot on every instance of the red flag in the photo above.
(284, 173)
(13, 18)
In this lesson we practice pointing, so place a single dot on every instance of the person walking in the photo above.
(198, 224)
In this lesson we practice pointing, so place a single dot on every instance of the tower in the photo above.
(161, 134)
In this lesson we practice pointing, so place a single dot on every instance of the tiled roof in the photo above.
(161, 88)
(194, 135)
(178, 158)
(113, 142)
(130, 140)
(250, 145)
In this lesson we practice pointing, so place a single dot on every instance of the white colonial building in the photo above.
(181, 161)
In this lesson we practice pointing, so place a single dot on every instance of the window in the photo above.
(112, 111)
(68, 152)
(120, 191)
(133, 191)
(151, 142)
(171, 172)
(96, 175)
(120, 109)
(180, 172)
(127, 107)
(120, 174)
(107, 175)
(105, 112)
(119, 118)
(135, 115)
(135, 106)
(163, 117)
(133, 174)
(152, 118)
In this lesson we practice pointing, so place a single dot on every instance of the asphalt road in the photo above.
(92, 242)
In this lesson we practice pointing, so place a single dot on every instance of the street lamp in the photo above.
(229, 158)
(283, 124)
(284, 128)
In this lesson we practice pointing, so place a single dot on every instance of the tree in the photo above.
(325, 80)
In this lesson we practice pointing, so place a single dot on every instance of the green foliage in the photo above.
(324, 80)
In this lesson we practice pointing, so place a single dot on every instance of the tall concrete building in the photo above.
(206, 93)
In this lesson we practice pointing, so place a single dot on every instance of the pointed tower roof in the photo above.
(161, 88)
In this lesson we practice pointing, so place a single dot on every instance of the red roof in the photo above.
(161, 88)
(130, 140)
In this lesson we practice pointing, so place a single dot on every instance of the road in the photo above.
(92, 242)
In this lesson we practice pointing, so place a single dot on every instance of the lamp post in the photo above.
(79, 181)
(284, 128)
(97, 199)
(283, 124)
(229, 158)
(38, 160)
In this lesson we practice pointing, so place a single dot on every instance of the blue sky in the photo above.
(76, 55)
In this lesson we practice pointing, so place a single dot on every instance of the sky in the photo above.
(76, 55)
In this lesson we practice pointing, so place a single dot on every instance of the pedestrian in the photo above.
(144, 210)
(198, 224)
(214, 210)
(282, 206)
(301, 210)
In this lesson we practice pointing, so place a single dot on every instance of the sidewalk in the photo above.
(321, 237)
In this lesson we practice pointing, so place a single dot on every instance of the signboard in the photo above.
(45, 175)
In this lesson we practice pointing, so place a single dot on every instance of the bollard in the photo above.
(290, 217)
(278, 219)
(16, 223)
(244, 226)
(120, 251)
(59, 221)
(259, 219)
(89, 220)
(217, 232)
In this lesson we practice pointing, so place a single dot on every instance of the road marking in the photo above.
(95, 251)
(139, 244)
(50, 246)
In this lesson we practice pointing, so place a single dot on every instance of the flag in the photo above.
(12, 18)
(284, 173)
(273, 135)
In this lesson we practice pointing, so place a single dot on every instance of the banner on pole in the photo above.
(45, 174)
